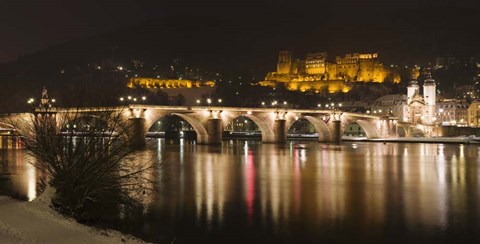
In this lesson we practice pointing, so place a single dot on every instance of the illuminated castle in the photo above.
(315, 73)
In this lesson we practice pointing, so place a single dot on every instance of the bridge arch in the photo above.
(200, 130)
(324, 133)
(368, 127)
(265, 129)
(402, 131)
(202, 134)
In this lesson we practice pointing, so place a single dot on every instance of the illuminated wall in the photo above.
(474, 114)
(316, 63)
(159, 83)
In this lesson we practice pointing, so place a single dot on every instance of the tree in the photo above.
(87, 160)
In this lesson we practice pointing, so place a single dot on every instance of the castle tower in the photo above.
(412, 90)
(284, 62)
(429, 96)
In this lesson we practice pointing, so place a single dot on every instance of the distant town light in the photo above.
(198, 100)
(144, 98)
(219, 100)
(129, 97)
(285, 103)
(53, 100)
(135, 99)
(121, 99)
(319, 105)
(209, 100)
(263, 103)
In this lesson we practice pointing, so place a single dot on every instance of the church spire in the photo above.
(413, 81)
(429, 79)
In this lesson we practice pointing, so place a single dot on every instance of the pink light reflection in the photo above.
(250, 181)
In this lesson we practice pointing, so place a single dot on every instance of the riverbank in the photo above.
(35, 222)
(457, 140)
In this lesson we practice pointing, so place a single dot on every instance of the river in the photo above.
(299, 192)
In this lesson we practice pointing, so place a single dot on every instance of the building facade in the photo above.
(473, 116)
(390, 105)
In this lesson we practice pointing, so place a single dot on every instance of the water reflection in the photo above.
(211, 188)
(18, 177)
(246, 191)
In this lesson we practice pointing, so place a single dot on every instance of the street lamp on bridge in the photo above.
(209, 101)
(45, 104)
(132, 99)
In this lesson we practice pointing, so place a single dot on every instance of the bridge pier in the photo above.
(392, 127)
(337, 131)
(137, 132)
(214, 130)
(280, 131)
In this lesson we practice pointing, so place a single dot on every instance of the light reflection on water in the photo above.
(355, 192)
(18, 177)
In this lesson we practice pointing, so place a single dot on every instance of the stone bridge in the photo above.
(209, 122)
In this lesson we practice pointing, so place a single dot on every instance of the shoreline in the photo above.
(449, 140)
(36, 222)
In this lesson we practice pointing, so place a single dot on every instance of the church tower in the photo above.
(284, 62)
(429, 96)
(412, 90)
(429, 90)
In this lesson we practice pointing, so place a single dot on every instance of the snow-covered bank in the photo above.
(35, 222)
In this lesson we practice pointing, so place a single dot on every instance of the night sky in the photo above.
(440, 27)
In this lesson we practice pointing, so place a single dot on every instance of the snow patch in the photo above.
(36, 222)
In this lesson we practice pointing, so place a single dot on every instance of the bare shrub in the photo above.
(87, 159)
